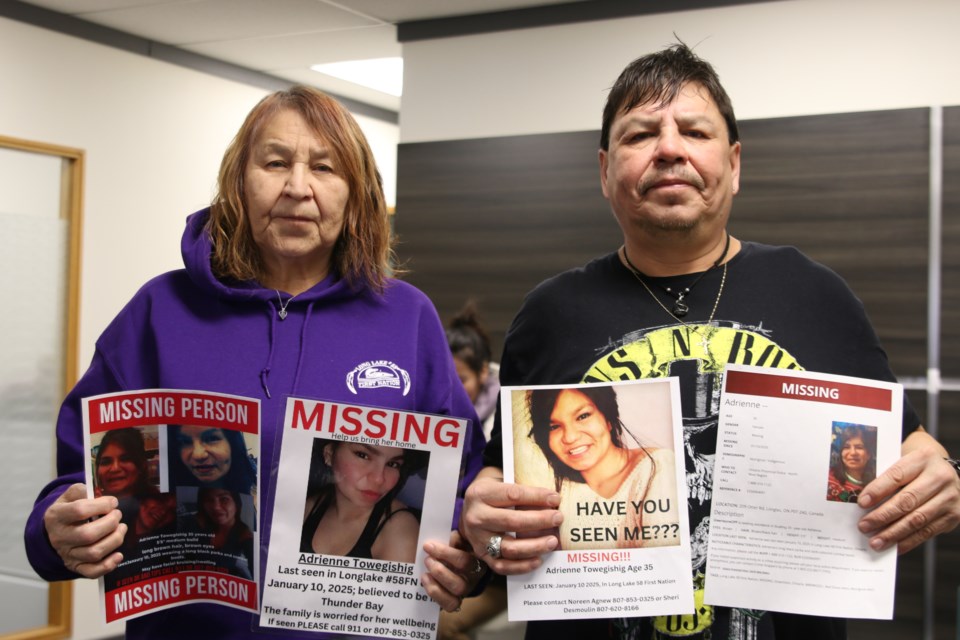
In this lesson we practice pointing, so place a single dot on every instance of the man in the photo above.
(682, 297)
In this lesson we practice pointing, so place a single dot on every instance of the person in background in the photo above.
(472, 355)
(470, 346)
(286, 291)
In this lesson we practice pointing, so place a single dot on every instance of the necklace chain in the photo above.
(283, 305)
(680, 308)
(723, 280)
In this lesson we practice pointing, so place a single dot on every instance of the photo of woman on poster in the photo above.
(203, 456)
(219, 513)
(120, 464)
(122, 468)
(157, 514)
(852, 461)
(614, 491)
(221, 528)
(352, 507)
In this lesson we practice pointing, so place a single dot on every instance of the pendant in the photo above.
(680, 309)
(282, 313)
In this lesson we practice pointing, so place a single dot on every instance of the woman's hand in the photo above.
(492, 507)
(452, 571)
(85, 532)
(922, 493)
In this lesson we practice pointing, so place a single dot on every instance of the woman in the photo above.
(218, 514)
(121, 464)
(853, 466)
(627, 490)
(210, 457)
(470, 347)
(356, 511)
(285, 291)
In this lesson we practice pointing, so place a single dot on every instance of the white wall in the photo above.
(795, 57)
(153, 134)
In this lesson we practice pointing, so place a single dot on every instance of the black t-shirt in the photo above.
(777, 309)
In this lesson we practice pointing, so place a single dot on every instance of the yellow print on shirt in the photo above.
(651, 355)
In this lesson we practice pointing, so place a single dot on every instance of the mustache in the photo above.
(649, 182)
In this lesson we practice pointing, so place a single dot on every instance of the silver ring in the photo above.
(493, 547)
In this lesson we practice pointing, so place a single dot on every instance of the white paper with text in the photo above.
(793, 450)
(624, 544)
(338, 457)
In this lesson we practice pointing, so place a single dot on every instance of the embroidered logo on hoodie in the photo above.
(378, 374)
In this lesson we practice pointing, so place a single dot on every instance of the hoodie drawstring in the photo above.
(303, 346)
(265, 372)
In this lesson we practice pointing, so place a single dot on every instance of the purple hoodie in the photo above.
(187, 330)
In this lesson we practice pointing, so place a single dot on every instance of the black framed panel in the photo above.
(491, 218)
(851, 191)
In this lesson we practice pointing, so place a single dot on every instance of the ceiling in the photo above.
(281, 38)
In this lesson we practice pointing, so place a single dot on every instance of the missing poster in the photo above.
(614, 453)
(794, 450)
(359, 491)
(183, 467)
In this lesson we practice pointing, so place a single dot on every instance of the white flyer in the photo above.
(359, 491)
(614, 452)
(794, 449)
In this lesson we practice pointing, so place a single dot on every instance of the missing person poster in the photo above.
(183, 467)
(359, 491)
(794, 450)
(614, 452)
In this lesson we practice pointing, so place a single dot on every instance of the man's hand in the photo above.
(492, 507)
(922, 493)
(85, 532)
(452, 571)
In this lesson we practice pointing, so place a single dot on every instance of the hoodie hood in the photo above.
(196, 248)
